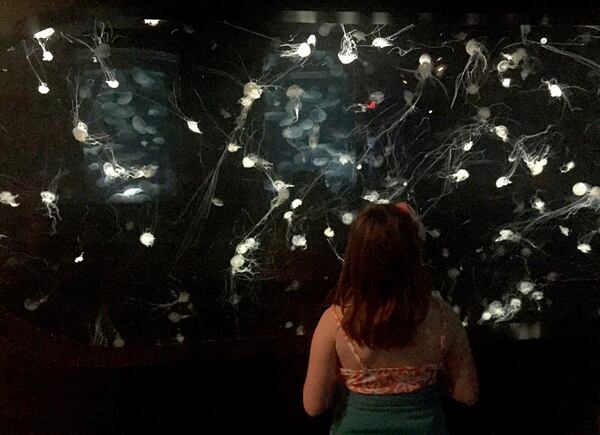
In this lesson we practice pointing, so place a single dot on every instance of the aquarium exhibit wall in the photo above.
(166, 182)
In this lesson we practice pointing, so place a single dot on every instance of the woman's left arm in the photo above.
(321, 377)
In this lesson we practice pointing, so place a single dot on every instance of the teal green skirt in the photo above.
(418, 413)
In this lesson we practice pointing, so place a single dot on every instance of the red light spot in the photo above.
(371, 105)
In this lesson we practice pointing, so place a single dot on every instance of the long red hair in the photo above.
(382, 288)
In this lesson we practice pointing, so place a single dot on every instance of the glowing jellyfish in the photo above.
(543, 41)
(288, 216)
(564, 230)
(484, 113)
(468, 145)
(42, 38)
(180, 338)
(80, 132)
(538, 204)
(299, 240)
(345, 159)
(503, 181)
(348, 51)
(312, 40)
(525, 287)
(567, 167)
(347, 218)
(486, 315)
(508, 235)
(296, 203)
(580, 189)
(329, 233)
(8, 198)
(475, 66)
(300, 330)
(294, 93)
(147, 239)
(380, 42)
(303, 50)
(32, 304)
(248, 162)
(79, 259)
(453, 273)
(554, 89)
(496, 309)
(506, 82)
(118, 342)
(151, 22)
(43, 88)
(460, 175)
(515, 304)
(193, 126)
(584, 247)
(113, 83)
(232, 147)
(501, 131)
(237, 261)
(252, 91)
(537, 295)
(536, 165)
(217, 202)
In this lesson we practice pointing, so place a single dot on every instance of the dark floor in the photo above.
(527, 387)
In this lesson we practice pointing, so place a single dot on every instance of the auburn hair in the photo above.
(382, 289)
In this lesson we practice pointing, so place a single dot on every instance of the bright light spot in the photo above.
(232, 147)
(486, 315)
(217, 202)
(151, 22)
(508, 235)
(43, 88)
(468, 145)
(80, 258)
(539, 205)
(584, 247)
(525, 287)
(537, 295)
(567, 167)
(424, 58)
(8, 198)
(248, 162)
(502, 132)
(237, 261)
(288, 216)
(503, 181)
(296, 203)
(299, 240)
(193, 126)
(381, 43)
(506, 82)
(44, 34)
(113, 83)
(347, 218)
(543, 40)
(555, 90)
(132, 191)
(347, 58)
(536, 166)
(47, 197)
(80, 133)
(147, 239)
(47, 56)
(312, 40)
(564, 230)
(460, 175)
(303, 50)
(329, 233)
(580, 189)
(595, 192)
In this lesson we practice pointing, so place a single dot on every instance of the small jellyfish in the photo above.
(506, 82)
(460, 175)
(193, 126)
(299, 240)
(43, 88)
(525, 287)
(501, 131)
(329, 233)
(237, 261)
(468, 145)
(564, 230)
(584, 247)
(503, 181)
(567, 167)
(217, 202)
(118, 342)
(347, 218)
(484, 113)
(580, 189)
(147, 239)
(79, 259)
(8, 198)
(42, 38)
(453, 273)
(348, 52)
(296, 203)
(233, 147)
(248, 162)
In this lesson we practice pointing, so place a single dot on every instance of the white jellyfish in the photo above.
(299, 241)
(525, 287)
(152, 22)
(538, 204)
(294, 105)
(460, 175)
(43, 88)
(564, 230)
(584, 247)
(348, 51)
(8, 198)
(49, 199)
(474, 68)
(580, 189)
(217, 202)
(233, 147)
(79, 259)
(42, 38)
(347, 218)
(501, 131)
(147, 239)
(248, 162)
(567, 167)
(502, 181)
(329, 233)
(296, 203)
(506, 82)
(193, 126)
(508, 235)
(453, 273)
(468, 145)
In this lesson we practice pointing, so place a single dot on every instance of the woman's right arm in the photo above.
(460, 373)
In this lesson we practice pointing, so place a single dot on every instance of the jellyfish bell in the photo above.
(312, 40)
(580, 189)
(501, 131)
(112, 84)
(296, 203)
(468, 145)
(294, 91)
(502, 181)
(329, 233)
(381, 43)
(347, 218)
(237, 261)
(595, 192)
(193, 126)
(147, 239)
(303, 50)
(424, 58)
(525, 287)
(232, 147)
(486, 315)
(506, 82)
(472, 47)
(43, 88)
(453, 273)
(252, 90)
(460, 175)
(299, 240)
(584, 247)
(484, 112)
(248, 162)
(44, 34)
(80, 132)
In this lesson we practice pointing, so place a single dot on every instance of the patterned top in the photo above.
(386, 381)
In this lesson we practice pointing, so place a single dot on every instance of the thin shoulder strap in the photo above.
(350, 344)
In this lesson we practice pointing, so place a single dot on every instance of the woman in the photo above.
(386, 338)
